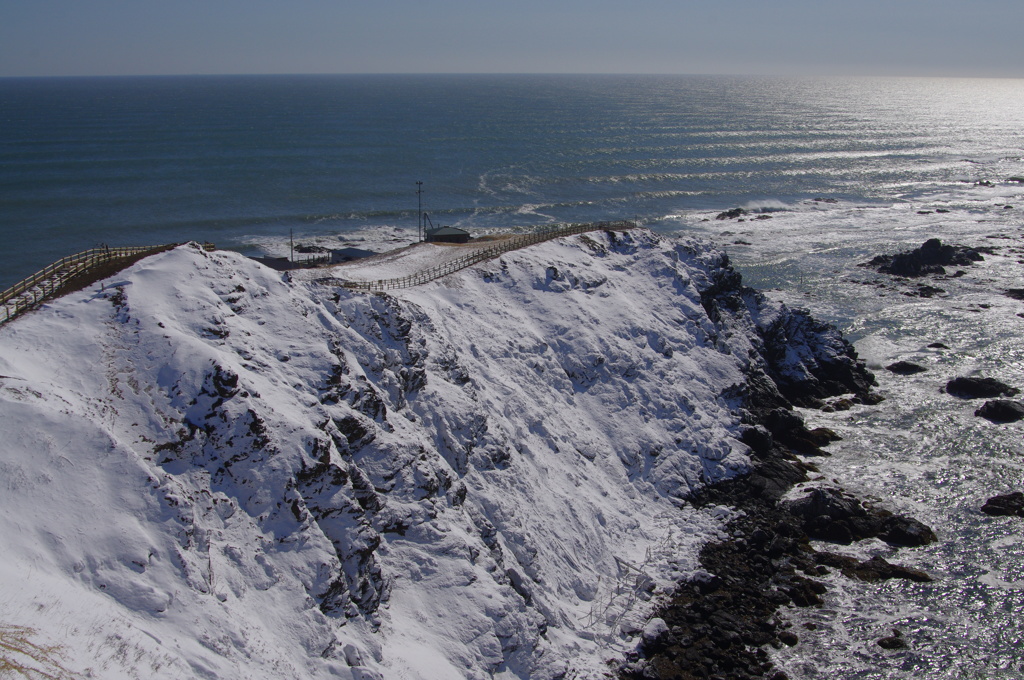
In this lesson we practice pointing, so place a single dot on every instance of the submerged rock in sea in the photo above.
(930, 259)
(872, 570)
(979, 388)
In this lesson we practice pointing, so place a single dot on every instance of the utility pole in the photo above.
(419, 210)
(291, 240)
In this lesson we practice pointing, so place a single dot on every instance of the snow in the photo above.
(211, 470)
(398, 263)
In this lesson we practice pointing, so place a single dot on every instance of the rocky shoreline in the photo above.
(718, 627)
(721, 626)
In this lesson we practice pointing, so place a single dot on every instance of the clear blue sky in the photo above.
(125, 37)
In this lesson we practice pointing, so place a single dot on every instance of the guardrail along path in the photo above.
(479, 255)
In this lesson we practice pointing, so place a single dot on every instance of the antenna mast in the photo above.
(419, 210)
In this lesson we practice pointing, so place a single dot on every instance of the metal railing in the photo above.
(47, 282)
(499, 248)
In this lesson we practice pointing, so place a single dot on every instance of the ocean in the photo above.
(830, 173)
(245, 161)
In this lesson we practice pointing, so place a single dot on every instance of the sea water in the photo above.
(245, 162)
(831, 172)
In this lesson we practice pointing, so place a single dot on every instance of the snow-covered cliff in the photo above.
(211, 471)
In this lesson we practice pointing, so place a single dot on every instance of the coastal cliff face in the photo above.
(211, 471)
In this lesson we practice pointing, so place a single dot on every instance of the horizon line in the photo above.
(638, 74)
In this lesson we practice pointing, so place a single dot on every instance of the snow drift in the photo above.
(212, 471)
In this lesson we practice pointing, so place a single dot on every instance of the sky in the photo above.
(851, 37)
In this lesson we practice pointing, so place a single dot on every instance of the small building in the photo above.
(447, 235)
(348, 254)
(281, 264)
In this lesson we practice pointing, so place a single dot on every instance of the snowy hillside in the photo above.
(212, 471)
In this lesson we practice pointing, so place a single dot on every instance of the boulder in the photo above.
(931, 258)
(731, 214)
(830, 514)
(1001, 411)
(872, 570)
(905, 368)
(979, 388)
(894, 641)
(1009, 504)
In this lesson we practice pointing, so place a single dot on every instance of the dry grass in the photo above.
(22, 658)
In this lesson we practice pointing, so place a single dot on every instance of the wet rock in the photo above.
(1008, 504)
(731, 214)
(930, 291)
(830, 514)
(1015, 293)
(788, 638)
(938, 345)
(979, 388)
(903, 531)
(1001, 411)
(895, 641)
(905, 368)
(930, 259)
(823, 436)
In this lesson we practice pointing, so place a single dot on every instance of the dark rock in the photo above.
(731, 214)
(830, 514)
(905, 531)
(938, 345)
(895, 641)
(788, 638)
(1015, 293)
(871, 399)
(1001, 411)
(823, 436)
(758, 438)
(1009, 504)
(930, 259)
(826, 502)
(979, 388)
(931, 291)
(905, 368)
(873, 570)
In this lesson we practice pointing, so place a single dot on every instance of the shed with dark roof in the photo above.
(447, 235)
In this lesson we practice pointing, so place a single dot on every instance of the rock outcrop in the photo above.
(931, 258)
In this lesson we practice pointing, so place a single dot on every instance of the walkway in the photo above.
(483, 250)
(56, 279)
